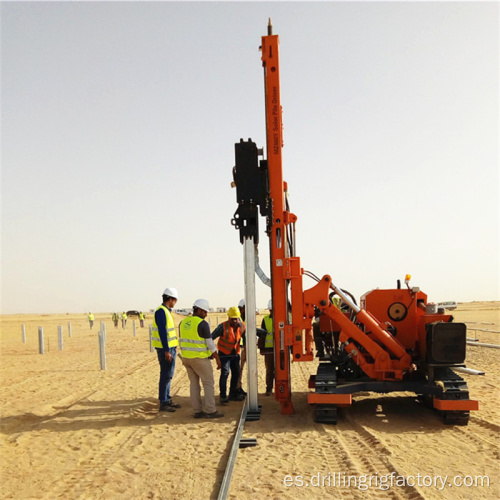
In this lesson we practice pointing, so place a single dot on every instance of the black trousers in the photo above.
(229, 362)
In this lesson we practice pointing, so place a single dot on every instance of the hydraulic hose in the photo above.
(258, 271)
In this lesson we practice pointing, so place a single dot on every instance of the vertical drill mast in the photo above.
(278, 235)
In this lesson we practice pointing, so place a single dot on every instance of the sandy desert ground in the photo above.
(70, 430)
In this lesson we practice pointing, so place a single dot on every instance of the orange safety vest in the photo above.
(229, 340)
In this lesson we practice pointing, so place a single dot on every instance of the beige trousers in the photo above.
(201, 369)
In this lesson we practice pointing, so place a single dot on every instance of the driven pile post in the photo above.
(60, 337)
(41, 348)
(102, 348)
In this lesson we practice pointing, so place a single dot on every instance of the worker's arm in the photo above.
(219, 330)
(161, 322)
(204, 333)
(262, 331)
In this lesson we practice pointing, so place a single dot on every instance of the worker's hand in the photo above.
(215, 356)
(168, 356)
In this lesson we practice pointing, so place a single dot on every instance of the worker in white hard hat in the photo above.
(164, 339)
(197, 349)
(266, 346)
(241, 307)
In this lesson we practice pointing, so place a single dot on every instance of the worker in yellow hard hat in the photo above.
(230, 334)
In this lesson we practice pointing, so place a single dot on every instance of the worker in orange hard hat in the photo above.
(230, 334)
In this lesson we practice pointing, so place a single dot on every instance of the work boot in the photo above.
(224, 400)
(269, 392)
(241, 391)
(199, 414)
(166, 407)
(215, 414)
(236, 397)
(171, 403)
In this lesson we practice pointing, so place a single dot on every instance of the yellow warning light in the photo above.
(407, 278)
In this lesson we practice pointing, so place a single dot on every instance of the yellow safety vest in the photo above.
(91, 317)
(268, 321)
(337, 302)
(171, 333)
(192, 345)
(244, 327)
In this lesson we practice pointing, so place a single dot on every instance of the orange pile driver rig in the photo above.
(392, 341)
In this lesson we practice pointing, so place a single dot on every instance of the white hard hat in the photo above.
(270, 304)
(241, 303)
(202, 304)
(171, 292)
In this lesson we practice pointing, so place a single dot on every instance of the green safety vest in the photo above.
(171, 333)
(192, 345)
(268, 321)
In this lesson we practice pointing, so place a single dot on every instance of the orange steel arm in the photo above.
(379, 344)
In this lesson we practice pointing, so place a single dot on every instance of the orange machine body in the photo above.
(406, 312)
(384, 337)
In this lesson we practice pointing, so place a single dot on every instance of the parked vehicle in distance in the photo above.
(133, 313)
(451, 305)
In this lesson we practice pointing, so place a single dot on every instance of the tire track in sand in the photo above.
(351, 448)
(96, 466)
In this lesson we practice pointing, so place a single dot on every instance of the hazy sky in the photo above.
(118, 129)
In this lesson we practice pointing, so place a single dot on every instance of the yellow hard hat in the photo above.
(234, 312)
